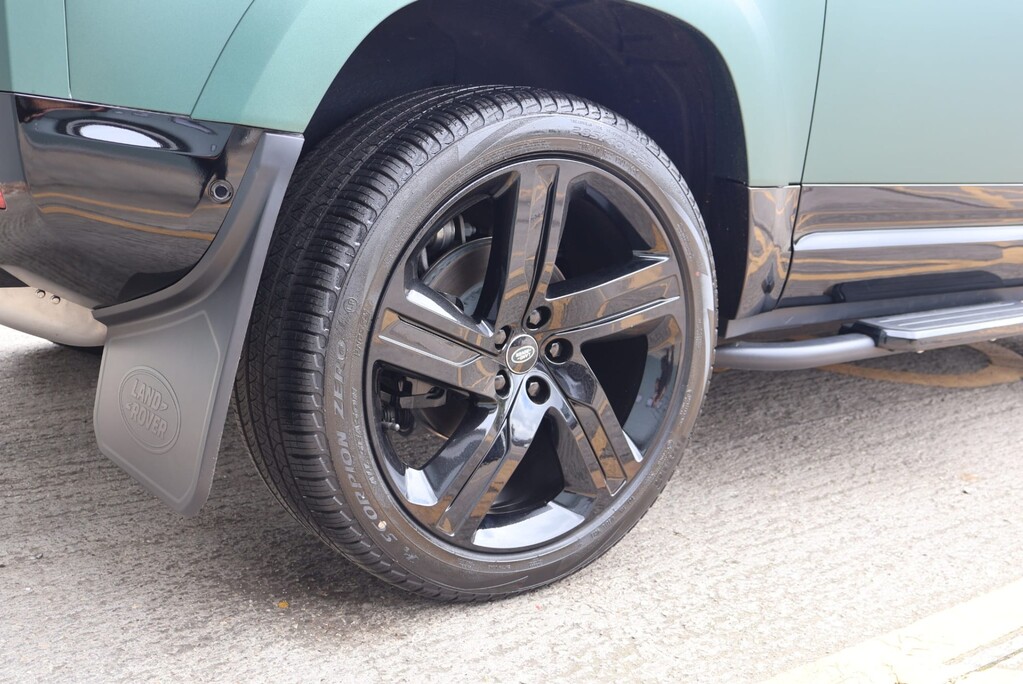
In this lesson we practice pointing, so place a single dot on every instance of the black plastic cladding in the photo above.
(108, 204)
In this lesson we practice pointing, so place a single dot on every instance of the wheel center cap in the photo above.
(521, 353)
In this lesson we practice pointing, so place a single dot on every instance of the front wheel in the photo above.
(481, 340)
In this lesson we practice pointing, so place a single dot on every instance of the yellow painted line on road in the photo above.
(977, 642)
(1004, 367)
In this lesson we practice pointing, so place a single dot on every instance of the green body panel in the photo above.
(919, 91)
(283, 56)
(33, 47)
(772, 49)
(268, 63)
(149, 55)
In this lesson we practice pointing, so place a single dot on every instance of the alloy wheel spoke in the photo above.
(434, 356)
(427, 308)
(556, 217)
(634, 322)
(618, 456)
(646, 280)
(432, 489)
(475, 499)
(523, 255)
(579, 464)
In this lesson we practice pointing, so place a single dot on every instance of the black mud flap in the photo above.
(170, 358)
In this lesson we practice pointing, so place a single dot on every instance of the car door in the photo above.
(913, 181)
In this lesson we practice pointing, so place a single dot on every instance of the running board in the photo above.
(944, 328)
(873, 337)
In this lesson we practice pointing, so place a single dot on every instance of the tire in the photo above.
(481, 339)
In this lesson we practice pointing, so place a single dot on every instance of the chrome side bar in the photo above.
(783, 356)
(872, 337)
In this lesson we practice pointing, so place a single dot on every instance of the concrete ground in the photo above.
(814, 511)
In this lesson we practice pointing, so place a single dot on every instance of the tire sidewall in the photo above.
(347, 408)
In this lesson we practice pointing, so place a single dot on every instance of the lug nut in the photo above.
(559, 351)
(537, 390)
(501, 383)
(500, 337)
(537, 317)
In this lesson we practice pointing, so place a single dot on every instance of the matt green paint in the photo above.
(268, 62)
(920, 91)
(283, 56)
(150, 54)
(772, 49)
(33, 48)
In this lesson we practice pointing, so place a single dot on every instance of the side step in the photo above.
(944, 328)
(873, 337)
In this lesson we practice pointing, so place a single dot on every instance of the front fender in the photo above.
(283, 56)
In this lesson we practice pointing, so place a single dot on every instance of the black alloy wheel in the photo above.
(481, 340)
(501, 422)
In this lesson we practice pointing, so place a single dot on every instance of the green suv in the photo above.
(465, 265)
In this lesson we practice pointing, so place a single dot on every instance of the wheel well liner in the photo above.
(659, 72)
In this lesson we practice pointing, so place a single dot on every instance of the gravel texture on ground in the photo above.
(812, 511)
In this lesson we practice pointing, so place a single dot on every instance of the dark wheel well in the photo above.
(659, 72)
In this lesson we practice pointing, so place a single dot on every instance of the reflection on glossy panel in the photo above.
(109, 204)
(862, 242)
(772, 216)
(865, 207)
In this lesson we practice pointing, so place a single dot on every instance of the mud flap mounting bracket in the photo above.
(170, 358)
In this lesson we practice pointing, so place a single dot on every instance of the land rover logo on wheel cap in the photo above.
(150, 409)
(522, 353)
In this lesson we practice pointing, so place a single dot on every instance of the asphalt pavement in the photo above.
(813, 511)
